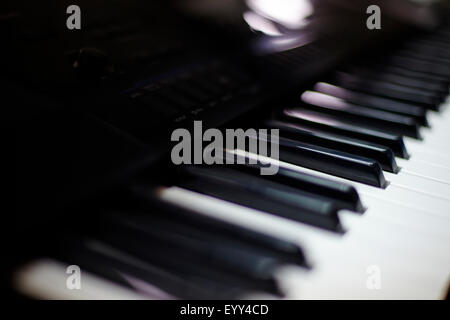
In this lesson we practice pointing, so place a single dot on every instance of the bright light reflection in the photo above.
(289, 13)
(259, 23)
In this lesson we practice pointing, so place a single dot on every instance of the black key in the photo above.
(130, 271)
(333, 162)
(332, 124)
(438, 88)
(414, 74)
(375, 119)
(247, 190)
(344, 195)
(435, 42)
(389, 90)
(416, 112)
(424, 57)
(421, 66)
(427, 48)
(197, 269)
(443, 34)
(383, 155)
(170, 247)
(219, 230)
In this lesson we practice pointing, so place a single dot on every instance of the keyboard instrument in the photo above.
(359, 207)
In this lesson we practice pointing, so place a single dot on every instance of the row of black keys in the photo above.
(179, 252)
(339, 128)
(186, 255)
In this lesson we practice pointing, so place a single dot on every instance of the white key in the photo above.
(420, 146)
(432, 187)
(425, 169)
(433, 158)
(46, 279)
(414, 219)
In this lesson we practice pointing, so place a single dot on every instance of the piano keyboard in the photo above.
(364, 184)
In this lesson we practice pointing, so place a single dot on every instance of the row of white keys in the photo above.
(342, 257)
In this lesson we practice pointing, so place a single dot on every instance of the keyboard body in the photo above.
(93, 111)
